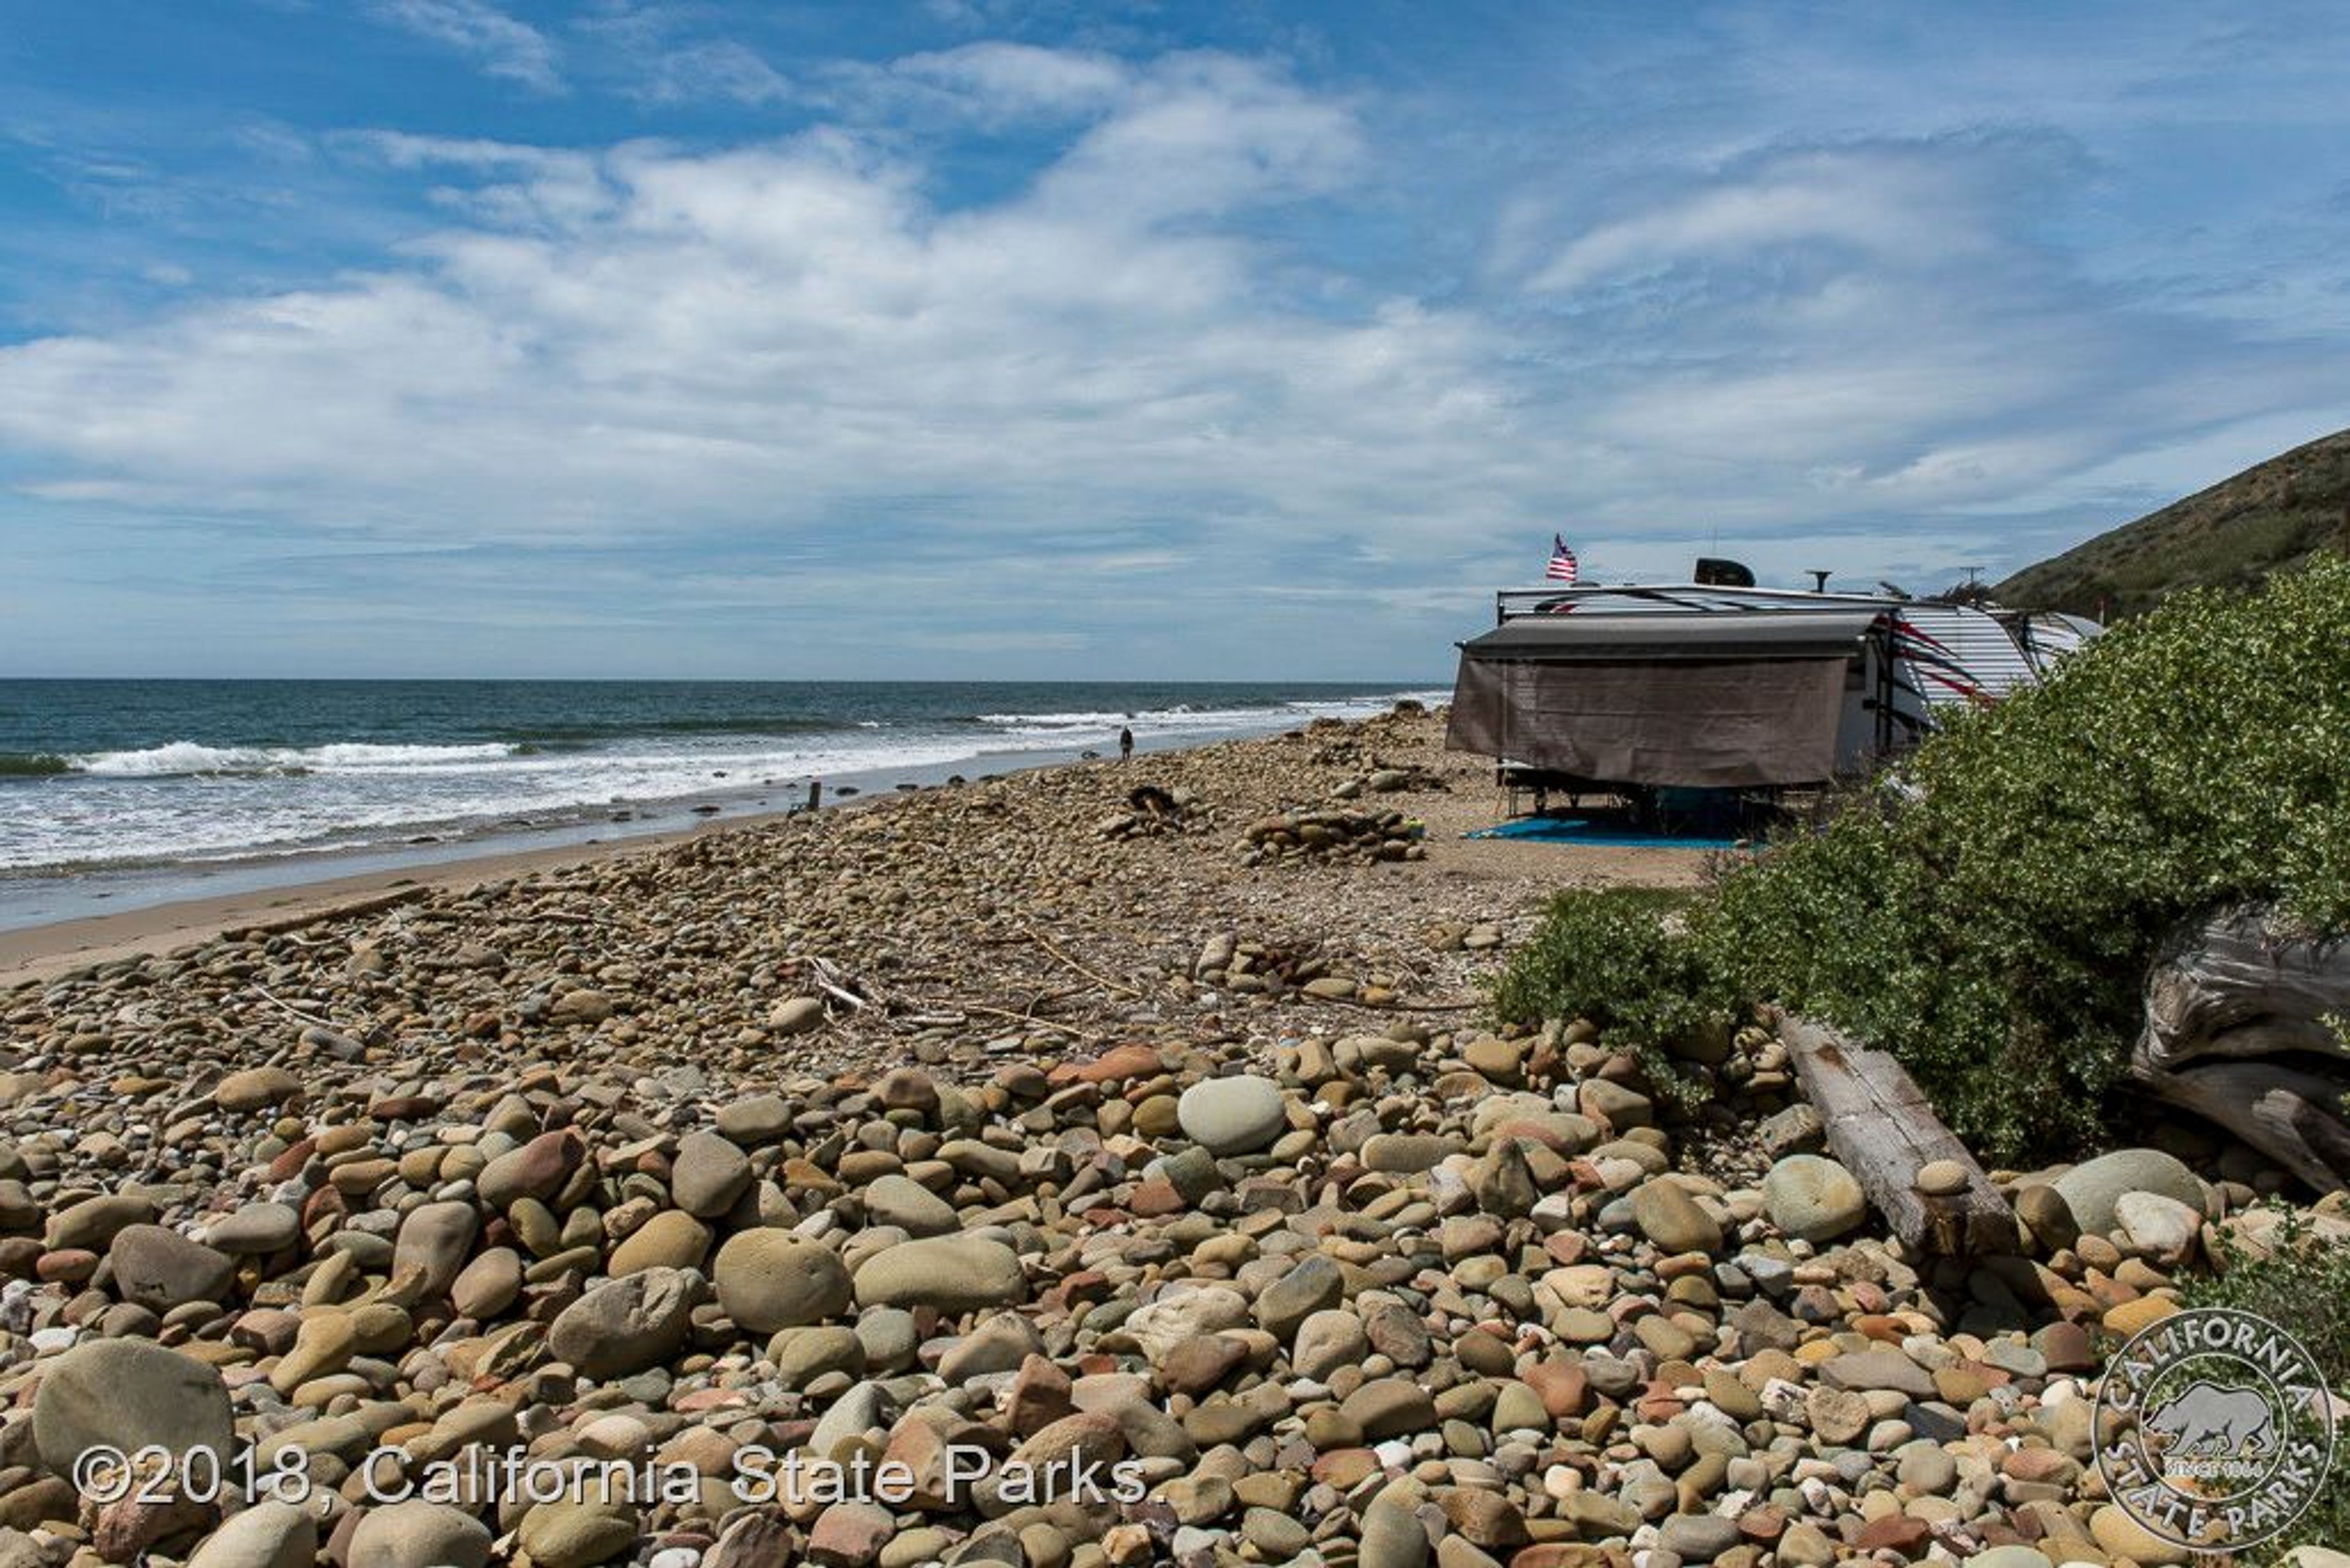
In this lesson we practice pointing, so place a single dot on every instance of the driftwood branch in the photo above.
(960, 1007)
(1884, 1131)
(291, 1011)
(2240, 1010)
(828, 978)
(1042, 940)
(1393, 1007)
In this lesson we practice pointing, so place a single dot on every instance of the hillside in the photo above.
(2270, 516)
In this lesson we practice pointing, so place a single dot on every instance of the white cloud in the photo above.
(715, 69)
(664, 63)
(1879, 328)
(1896, 203)
(1207, 134)
(496, 42)
(781, 336)
(1006, 78)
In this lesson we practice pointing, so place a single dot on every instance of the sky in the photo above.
(1037, 339)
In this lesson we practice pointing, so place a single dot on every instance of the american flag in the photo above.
(1563, 568)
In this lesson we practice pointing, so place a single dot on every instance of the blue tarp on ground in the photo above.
(1590, 830)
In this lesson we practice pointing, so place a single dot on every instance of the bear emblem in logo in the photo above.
(2214, 1429)
(2205, 1418)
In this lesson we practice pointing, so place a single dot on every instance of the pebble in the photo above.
(1812, 1199)
(1231, 1115)
(1698, 1537)
(708, 1175)
(269, 1534)
(126, 1394)
(945, 1274)
(770, 1279)
(160, 1268)
(255, 1088)
(2163, 1228)
(1673, 1220)
(419, 1534)
(626, 1325)
(435, 1238)
(2091, 1189)
(1392, 1537)
(1941, 1179)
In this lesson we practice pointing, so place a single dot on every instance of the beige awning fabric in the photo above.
(1686, 721)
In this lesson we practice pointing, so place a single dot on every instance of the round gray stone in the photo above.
(2092, 1188)
(902, 1201)
(1812, 1199)
(437, 1238)
(161, 1268)
(419, 1534)
(269, 1534)
(1231, 1115)
(771, 1279)
(627, 1325)
(1669, 1216)
(125, 1394)
(708, 1175)
(256, 1230)
(1698, 1537)
(947, 1273)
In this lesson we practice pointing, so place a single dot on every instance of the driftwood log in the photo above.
(1883, 1131)
(2240, 1012)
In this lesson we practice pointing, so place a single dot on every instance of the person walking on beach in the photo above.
(1125, 744)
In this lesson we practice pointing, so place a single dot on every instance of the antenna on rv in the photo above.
(1819, 579)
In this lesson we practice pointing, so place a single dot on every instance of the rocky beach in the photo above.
(1112, 1164)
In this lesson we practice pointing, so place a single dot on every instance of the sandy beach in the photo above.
(59, 946)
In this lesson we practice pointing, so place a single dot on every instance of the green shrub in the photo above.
(2302, 1286)
(1623, 958)
(1988, 914)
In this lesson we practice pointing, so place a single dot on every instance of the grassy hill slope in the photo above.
(2269, 517)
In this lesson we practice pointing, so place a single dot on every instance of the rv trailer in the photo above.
(1717, 685)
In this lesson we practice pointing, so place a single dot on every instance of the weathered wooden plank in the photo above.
(2240, 1011)
(1883, 1130)
(2243, 982)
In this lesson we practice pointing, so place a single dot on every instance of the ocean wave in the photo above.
(723, 724)
(182, 759)
(1186, 717)
(1051, 720)
(32, 764)
(188, 801)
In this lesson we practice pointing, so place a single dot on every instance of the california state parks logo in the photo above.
(2214, 1429)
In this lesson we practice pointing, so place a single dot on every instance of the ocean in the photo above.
(109, 786)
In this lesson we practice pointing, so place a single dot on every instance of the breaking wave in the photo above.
(184, 759)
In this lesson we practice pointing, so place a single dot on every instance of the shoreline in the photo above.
(49, 949)
(35, 898)
(58, 947)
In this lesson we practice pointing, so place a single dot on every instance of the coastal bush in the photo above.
(1623, 958)
(1987, 912)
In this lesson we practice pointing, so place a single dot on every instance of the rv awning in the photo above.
(1660, 634)
(1703, 701)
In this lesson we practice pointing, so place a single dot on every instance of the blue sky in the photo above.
(990, 338)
